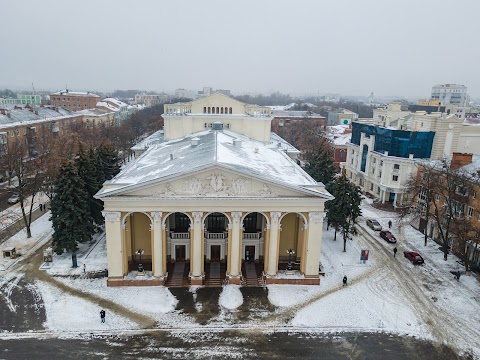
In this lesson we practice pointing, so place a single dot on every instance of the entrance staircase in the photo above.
(215, 274)
(178, 275)
(252, 279)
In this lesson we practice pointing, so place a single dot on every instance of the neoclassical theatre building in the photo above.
(214, 197)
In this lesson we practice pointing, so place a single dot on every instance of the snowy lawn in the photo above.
(69, 313)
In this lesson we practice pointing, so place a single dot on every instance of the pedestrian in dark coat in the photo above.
(102, 315)
(41, 207)
(394, 251)
(345, 280)
(389, 224)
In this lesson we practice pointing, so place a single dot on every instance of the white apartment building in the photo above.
(380, 158)
(450, 94)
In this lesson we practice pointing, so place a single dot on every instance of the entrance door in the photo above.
(180, 252)
(250, 253)
(215, 252)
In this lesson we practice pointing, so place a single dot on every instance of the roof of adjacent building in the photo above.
(296, 114)
(19, 116)
(268, 161)
(75, 93)
(339, 134)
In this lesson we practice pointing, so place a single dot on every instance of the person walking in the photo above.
(102, 315)
(394, 251)
(389, 224)
(345, 280)
(41, 207)
(84, 268)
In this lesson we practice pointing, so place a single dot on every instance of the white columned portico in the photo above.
(113, 229)
(235, 257)
(273, 243)
(196, 246)
(157, 251)
(314, 241)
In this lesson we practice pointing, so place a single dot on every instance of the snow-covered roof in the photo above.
(268, 161)
(471, 121)
(94, 112)
(296, 113)
(337, 134)
(115, 102)
(282, 107)
(75, 93)
(17, 117)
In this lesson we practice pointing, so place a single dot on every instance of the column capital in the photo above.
(316, 217)
(230, 226)
(275, 216)
(236, 216)
(197, 216)
(112, 216)
(156, 215)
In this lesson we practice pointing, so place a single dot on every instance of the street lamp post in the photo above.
(139, 252)
(290, 252)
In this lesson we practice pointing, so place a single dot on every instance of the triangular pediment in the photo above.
(211, 183)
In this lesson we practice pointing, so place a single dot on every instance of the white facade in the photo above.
(450, 94)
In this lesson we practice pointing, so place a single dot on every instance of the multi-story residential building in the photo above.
(28, 125)
(74, 100)
(464, 200)
(450, 94)
(380, 158)
(96, 117)
(151, 99)
(22, 99)
(389, 114)
(185, 94)
(121, 109)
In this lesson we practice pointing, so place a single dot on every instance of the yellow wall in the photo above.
(141, 234)
(288, 235)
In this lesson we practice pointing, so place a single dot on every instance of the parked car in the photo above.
(374, 224)
(414, 257)
(388, 236)
(13, 199)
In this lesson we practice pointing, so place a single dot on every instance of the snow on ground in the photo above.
(41, 230)
(14, 212)
(231, 297)
(93, 254)
(69, 313)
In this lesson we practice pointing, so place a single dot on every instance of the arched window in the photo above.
(230, 110)
(221, 110)
(342, 155)
(364, 158)
(213, 109)
(204, 109)
(218, 110)
(209, 109)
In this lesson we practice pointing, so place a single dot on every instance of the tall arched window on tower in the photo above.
(213, 109)
(218, 110)
(221, 110)
(364, 158)
(230, 110)
(204, 109)
(209, 109)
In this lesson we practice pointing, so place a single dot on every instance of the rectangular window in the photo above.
(396, 166)
(395, 177)
(470, 211)
(380, 174)
(474, 194)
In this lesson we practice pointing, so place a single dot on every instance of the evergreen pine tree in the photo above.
(108, 160)
(343, 211)
(320, 165)
(71, 220)
(85, 165)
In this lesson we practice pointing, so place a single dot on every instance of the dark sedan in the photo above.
(388, 236)
(414, 257)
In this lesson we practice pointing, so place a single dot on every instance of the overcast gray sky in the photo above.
(337, 46)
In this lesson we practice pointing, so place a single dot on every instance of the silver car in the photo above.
(374, 224)
(13, 199)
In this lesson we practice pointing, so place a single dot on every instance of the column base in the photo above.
(291, 279)
(234, 279)
(196, 280)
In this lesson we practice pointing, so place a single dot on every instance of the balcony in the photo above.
(179, 235)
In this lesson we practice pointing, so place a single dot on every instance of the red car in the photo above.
(414, 257)
(388, 236)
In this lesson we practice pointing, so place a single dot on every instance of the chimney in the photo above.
(459, 160)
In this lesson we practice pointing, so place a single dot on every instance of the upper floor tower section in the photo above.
(182, 119)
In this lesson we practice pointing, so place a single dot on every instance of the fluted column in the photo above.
(273, 243)
(115, 256)
(196, 245)
(157, 250)
(314, 241)
(266, 249)
(235, 269)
